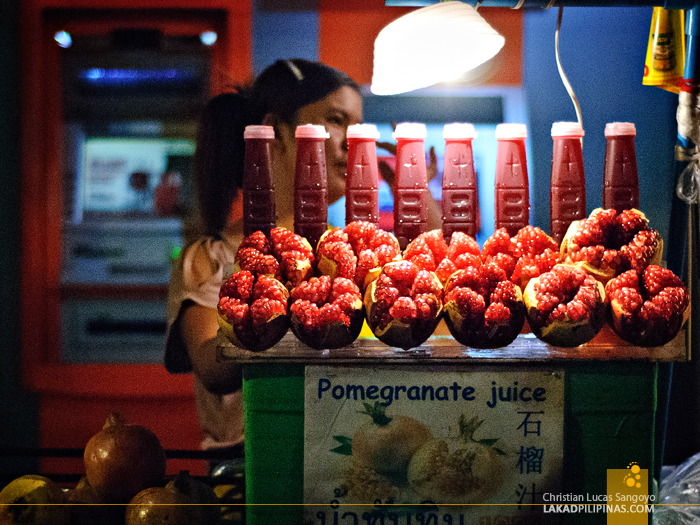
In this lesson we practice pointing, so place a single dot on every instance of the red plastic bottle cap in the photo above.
(615, 129)
(311, 131)
(511, 131)
(459, 131)
(363, 131)
(567, 129)
(410, 130)
(259, 132)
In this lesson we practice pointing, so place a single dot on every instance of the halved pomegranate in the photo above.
(483, 309)
(327, 313)
(527, 254)
(356, 252)
(429, 251)
(608, 243)
(253, 310)
(565, 306)
(285, 255)
(404, 304)
(647, 308)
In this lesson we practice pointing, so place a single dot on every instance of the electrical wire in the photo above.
(563, 76)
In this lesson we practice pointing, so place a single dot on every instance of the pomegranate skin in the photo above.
(647, 309)
(356, 252)
(122, 460)
(404, 305)
(481, 313)
(162, 506)
(565, 306)
(253, 310)
(608, 243)
(327, 313)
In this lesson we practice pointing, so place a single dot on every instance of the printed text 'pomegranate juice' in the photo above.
(362, 182)
(459, 192)
(258, 188)
(512, 197)
(567, 191)
(411, 183)
(310, 186)
(620, 178)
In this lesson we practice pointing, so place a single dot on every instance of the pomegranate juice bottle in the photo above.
(512, 197)
(411, 183)
(362, 182)
(459, 192)
(310, 183)
(258, 188)
(620, 178)
(567, 193)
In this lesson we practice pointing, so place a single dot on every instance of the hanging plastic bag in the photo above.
(679, 496)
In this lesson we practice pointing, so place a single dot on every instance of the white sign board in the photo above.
(412, 446)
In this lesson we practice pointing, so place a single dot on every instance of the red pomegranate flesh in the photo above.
(565, 306)
(325, 313)
(483, 309)
(527, 254)
(404, 304)
(356, 252)
(608, 243)
(253, 310)
(285, 255)
(429, 251)
(647, 308)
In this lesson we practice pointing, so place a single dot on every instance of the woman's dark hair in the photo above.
(281, 89)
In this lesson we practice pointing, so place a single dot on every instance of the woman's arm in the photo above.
(199, 326)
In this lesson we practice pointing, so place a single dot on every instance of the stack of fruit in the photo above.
(605, 269)
(124, 484)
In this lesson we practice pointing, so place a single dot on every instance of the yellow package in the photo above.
(666, 50)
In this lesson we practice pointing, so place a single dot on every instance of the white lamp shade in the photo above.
(430, 45)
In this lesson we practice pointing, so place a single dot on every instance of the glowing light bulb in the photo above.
(63, 39)
(208, 38)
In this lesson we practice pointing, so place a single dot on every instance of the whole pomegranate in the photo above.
(404, 304)
(429, 251)
(483, 309)
(529, 253)
(565, 306)
(647, 308)
(356, 252)
(253, 310)
(608, 243)
(381, 450)
(183, 501)
(327, 313)
(285, 256)
(123, 459)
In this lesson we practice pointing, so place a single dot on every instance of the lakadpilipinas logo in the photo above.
(629, 501)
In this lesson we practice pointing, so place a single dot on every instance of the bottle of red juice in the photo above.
(258, 187)
(411, 184)
(362, 181)
(567, 193)
(620, 177)
(512, 196)
(460, 202)
(310, 183)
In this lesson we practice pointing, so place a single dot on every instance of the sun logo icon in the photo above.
(633, 477)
